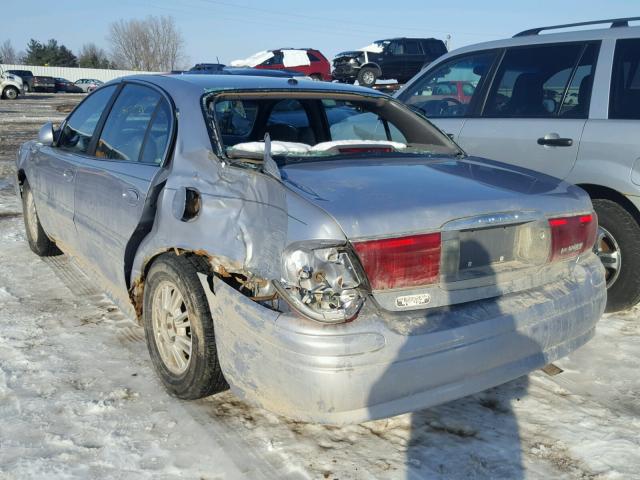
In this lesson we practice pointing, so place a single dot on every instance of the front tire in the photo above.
(618, 246)
(39, 242)
(10, 93)
(367, 77)
(179, 328)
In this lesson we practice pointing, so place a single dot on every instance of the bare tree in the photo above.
(92, 56)
(152, 44)
(7, 53)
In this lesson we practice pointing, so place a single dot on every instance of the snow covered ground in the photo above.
(78, 397)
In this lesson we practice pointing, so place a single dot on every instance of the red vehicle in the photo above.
(307, 61)
(457, 90)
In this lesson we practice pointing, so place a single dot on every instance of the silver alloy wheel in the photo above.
(171, 327)
(11, 93)
(31, 216)
(368, 78)
(609, 253)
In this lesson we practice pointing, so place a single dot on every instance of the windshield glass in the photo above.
(316, 126)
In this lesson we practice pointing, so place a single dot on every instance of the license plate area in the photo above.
(486, 247)
(502, 244)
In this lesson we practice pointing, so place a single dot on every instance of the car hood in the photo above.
(349, 54)
(391, 197)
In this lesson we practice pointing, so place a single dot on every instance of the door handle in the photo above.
(555, 140)
(68, 175)
(131, 196)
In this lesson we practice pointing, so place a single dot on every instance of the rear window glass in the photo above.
(320, 126)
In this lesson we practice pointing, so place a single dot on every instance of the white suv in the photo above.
(566, 104)
(10, 86)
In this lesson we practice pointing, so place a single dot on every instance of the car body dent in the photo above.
(388, 364)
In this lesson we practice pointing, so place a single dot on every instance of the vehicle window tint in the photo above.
(78, 130)
(235, 117)
(625, 83)
(531, 81)
(348, 121)
(412, 47)
(277, 59)
(578, 95)
(157, 135)
(312, 57)
(447, 90)
(396, 48)
(126, 126)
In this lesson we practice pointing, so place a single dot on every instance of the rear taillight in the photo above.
(401, 262)
(571, 236)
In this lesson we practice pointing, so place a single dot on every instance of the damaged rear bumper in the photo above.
(383, 365)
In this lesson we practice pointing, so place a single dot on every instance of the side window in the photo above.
(157, 135)
(396, 48)
(78, 130)
(412, 47)
(438, 92)
(312, 57)
(578, 95)
(348, 121)
(277, 59)
(126, 126)
(625, 83)
(289, 122)
(531, 81)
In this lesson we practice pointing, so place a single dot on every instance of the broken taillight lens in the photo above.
(401, 262)
(571, 236)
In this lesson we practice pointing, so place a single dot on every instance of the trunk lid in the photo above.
(491, 219)
(398, 196)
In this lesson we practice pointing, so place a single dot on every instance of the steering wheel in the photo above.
(446, 103)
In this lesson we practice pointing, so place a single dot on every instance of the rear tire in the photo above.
(367, 77)
(38, 240)
(181, 339)
(619, 240)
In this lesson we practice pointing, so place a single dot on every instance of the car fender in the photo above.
(245, 219)
(373, 65)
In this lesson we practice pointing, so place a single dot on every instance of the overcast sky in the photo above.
(230, 29)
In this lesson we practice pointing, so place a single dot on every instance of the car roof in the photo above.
(199, 84)
(408, 38)
(559, 37)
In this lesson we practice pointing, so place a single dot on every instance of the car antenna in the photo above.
(269, 165)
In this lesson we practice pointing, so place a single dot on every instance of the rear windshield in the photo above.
(315, 127)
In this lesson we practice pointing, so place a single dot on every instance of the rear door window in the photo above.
(125, 130)
(578, 95)
(412, 47)
(78, 130)
(531, 81)
(624, 102)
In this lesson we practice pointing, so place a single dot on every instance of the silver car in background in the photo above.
(319, 248)
(88, 84)
(565, 104)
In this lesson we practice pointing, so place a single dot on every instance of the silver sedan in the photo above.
(319, 248)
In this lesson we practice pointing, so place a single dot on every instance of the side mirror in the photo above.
(45, 136)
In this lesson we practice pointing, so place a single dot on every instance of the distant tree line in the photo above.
(152, 44)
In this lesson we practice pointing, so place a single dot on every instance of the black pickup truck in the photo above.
(395, 58)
